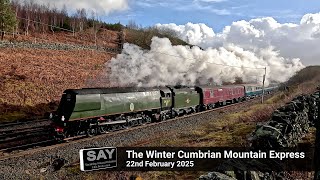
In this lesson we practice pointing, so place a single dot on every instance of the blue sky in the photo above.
(215, 13)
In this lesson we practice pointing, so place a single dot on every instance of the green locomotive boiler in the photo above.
(92, 111)
(96, 110)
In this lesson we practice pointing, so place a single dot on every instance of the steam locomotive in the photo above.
(92, 111)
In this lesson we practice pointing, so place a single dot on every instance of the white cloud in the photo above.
(144, 4)
(205, 7)
(198, 5)
(220, 11)
(100, 6)
(290, 40)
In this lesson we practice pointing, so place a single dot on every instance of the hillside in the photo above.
(310, 73)
(34, 76)
(35, 22)
(104, 38)
(44, 51)
(142, 37)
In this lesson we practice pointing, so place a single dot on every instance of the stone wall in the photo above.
(286, 128)
(56, 46)
(288, 124)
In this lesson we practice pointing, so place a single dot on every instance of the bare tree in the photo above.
(73, 23)
(43, 18)
(81, 16)
(64, 14)
(53, 19)
(27, 16)
(96, 25)
(132, 25)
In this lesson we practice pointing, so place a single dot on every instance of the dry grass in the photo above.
(32, 80)
(105, 38)
(231, 130)
(30, 77)
(143, 38)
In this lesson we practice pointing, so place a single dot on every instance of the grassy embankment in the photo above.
(142, 37)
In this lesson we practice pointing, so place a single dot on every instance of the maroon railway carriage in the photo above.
(215, 96)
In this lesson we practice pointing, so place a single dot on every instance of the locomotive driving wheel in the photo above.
(148, 119)
(163, 117)
(103, 129)
(92, 132)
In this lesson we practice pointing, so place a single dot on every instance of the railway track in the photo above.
(28, 146)
(11, 124)
(49, 142)
(24, 133)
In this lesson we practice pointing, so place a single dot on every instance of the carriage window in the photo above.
(211, 93)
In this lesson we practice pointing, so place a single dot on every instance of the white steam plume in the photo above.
(165, 64)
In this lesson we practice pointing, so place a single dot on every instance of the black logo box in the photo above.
(98, 158)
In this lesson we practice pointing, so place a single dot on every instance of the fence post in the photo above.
(263, 81)
(317, 145)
